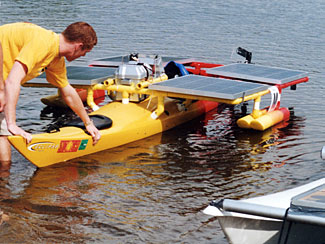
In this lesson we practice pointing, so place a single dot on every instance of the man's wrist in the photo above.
(90, 122)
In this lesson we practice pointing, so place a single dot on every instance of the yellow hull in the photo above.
(131, 122)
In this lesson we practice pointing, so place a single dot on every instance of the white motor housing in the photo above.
(131, 72)
(139, 68)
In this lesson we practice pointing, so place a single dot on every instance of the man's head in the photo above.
(82, 37)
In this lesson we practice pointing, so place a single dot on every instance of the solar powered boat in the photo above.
(150, 94)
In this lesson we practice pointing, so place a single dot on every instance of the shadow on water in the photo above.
(218, 142)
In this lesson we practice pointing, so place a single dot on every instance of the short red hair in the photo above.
(81, 32)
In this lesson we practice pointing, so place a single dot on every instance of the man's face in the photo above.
(76, 52)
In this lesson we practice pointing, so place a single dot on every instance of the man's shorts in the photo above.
(3, 125)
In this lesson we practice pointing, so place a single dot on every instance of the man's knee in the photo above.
(5, 149)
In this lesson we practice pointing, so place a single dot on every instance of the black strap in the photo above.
(100, 121)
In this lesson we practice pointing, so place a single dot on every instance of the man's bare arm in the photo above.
(12, 90)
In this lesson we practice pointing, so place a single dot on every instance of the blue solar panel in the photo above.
(88, 73)
(208, 87)
(257, 73)
(78, 76)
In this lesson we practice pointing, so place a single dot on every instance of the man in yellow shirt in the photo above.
(27, 51)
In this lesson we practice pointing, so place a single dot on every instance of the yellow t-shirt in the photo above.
(35, 47)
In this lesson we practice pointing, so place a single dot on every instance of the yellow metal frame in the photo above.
(142, 88)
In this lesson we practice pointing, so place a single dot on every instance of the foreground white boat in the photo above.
(292, 216)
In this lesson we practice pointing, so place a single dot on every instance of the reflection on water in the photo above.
(153, 191)
(136, 190)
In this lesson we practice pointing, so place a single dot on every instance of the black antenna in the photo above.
(247, 55)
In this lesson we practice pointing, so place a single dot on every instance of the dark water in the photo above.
(154, 190)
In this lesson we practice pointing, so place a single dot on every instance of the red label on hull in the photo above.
(69, 146)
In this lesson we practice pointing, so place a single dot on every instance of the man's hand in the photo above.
(17, 131)
(94, 132)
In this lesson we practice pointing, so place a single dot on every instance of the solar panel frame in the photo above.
(209, 87)
(115, 61)
(257, 73)
(314, 198)
(77, 76)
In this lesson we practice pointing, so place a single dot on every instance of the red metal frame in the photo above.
(197, 68)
